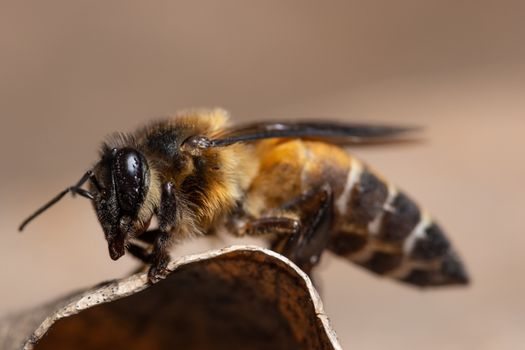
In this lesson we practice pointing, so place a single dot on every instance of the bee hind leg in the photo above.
(303, 227)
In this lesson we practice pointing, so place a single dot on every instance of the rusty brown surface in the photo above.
(235, 298)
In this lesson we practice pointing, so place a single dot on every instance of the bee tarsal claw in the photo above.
(157, 273)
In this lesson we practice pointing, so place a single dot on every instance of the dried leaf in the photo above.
(240, 297)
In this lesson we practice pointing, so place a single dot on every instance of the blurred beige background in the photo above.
(72, 72)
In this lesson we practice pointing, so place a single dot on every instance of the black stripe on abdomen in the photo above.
(385, 231)
(433, 244)
(346, 243)
(366, 199)
(399, 220)
(383, 262)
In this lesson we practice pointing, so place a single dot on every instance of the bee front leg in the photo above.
(303, 227)
(140, 247)
(142, 250)
(162, 239)
(149, 236)
(139, 252)
(160, 257)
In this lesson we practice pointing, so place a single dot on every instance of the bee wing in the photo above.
(333, 132)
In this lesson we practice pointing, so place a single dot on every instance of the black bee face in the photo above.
(122, 178)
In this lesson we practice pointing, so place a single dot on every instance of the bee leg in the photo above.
(142, 249)
(276, 225)
(314, 209)
(160, 257)
(167, 217)
(139, 252)
(303, 227)
(149, 236)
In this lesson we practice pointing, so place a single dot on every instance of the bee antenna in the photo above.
(76, 189)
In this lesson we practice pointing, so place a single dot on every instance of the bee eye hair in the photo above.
(129, 171)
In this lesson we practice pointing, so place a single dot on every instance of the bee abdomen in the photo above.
(383, 230)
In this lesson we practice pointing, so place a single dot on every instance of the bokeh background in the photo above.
(73, 72)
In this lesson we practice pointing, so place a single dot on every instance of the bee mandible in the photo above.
(293, 182)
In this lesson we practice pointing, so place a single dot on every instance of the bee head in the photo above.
(119, 187)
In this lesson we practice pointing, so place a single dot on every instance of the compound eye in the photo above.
(128, 173)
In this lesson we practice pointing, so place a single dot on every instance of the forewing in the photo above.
(333, 132)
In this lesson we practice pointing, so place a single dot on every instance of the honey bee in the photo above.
(294, 183)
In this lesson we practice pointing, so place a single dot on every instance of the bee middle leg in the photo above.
(303, 227)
